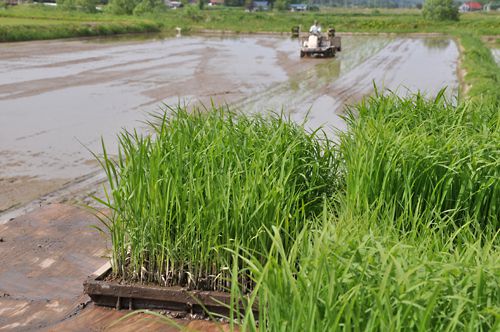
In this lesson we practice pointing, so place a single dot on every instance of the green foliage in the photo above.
(136, 7)
(281, 5)
(209, 181)
(412, 245)
(193, 13)
(63, 29)
(233, 3)
(438, 10)
(88, 6)
(149, 6)
(122, 7)
(420, 160)
(483, 74)
(350, 275)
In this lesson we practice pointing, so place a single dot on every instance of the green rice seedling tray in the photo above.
(135, 296)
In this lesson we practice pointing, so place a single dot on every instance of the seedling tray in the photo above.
(136, 296)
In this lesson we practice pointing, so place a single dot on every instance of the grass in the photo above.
(412, 244)
(358, 274)
(211, 181)
(424, 159)
(190, 19)
(483, 73)
(39, 22)
(395, 228)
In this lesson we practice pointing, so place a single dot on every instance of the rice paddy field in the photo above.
(391, 224)
(395, 226)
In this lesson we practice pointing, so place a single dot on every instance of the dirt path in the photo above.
(44, 258)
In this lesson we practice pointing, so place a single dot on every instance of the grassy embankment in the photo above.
(405, 238)
(34, 22)
(49, 22)
(483, 73)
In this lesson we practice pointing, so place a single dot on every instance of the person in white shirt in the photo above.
(315, 28)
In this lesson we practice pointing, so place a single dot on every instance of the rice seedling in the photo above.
(207, 181)
(413, 245)
(356, 275)
(423, 159)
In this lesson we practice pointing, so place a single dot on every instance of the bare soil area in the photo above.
(44, 257)
(16, 190)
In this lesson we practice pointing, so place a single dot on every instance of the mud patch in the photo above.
(20, 190)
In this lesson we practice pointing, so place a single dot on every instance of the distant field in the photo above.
(237, 20)
(12, 21)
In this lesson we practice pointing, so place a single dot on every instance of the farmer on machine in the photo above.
(315, 28)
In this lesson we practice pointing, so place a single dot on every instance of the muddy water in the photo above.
(58, 98)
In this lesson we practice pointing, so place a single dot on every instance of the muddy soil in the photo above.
(44, 258)
(58, 98)
(13, 192)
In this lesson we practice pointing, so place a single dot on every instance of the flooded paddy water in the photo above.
(58, 98)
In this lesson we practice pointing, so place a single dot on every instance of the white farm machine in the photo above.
(317, 44)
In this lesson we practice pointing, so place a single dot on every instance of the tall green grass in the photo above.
(208, 181)
(357, 274)
(412, 244)
(423, 159)
(396, 228)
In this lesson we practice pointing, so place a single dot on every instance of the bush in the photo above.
(438, 10)
(149, 6)
(88, 6)
(281, 5)
(122, 7)
(194, 13)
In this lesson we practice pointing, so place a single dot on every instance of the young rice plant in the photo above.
(206, 182)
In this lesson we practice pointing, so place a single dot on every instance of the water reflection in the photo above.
(436, 43)
(76, 91)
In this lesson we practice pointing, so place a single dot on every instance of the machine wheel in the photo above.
(302, 54)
